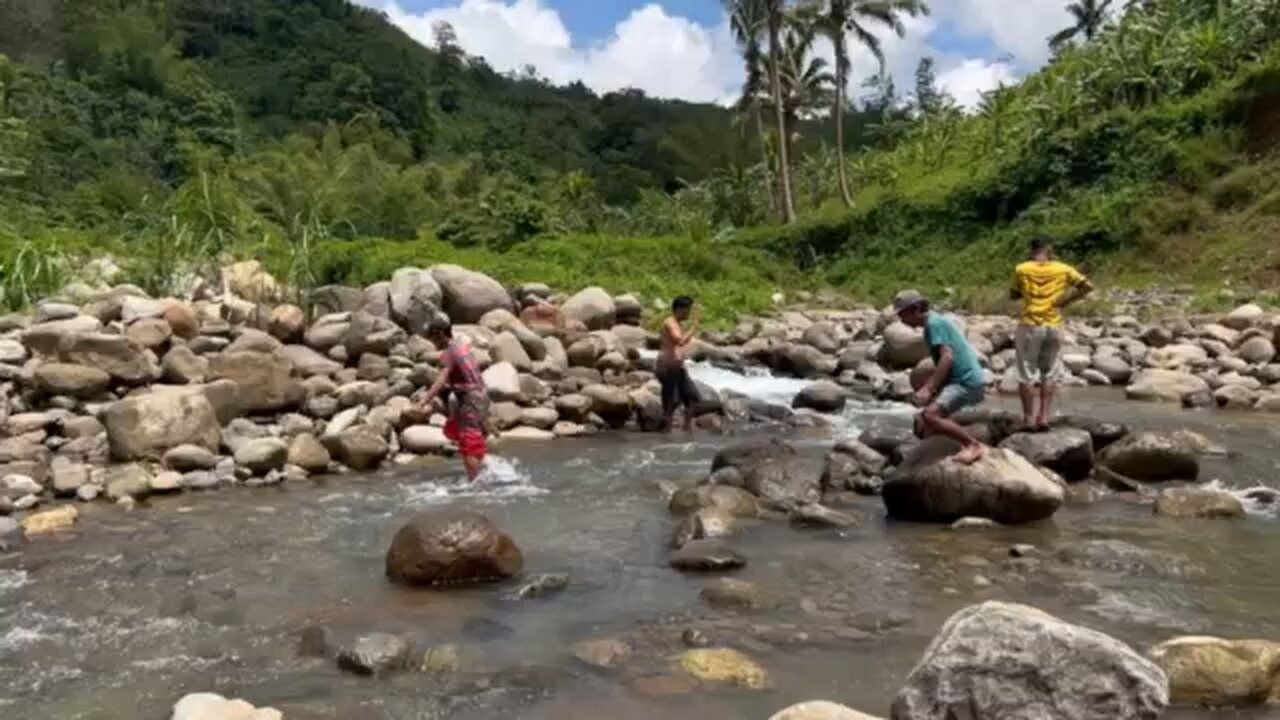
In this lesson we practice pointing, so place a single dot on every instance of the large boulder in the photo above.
(592, 307)
(262, 455)
(1114, 368)
(502, 380)
(784, 482)
(1164, 385)
(1257, 350)
(468, 295)
(1217, 673)
(507, 348)
(1244, 316)
(804, 361)
(1000, 660)
(287, 323)
(333, 299)
(931, 486)
(1066, 451)
(611, 403)
(369, 333)
(415, 298)
(724, 666)
(264, 379)
(181, 366)
(1194, 502)
(707, 555)
(125, 361)
(732, 500)
(501, 320)
(424, 439)
(375, 654)
(747, 455)
(150, 333)
(249, 280)
(77, 381)
(308, 363)
(329, 331)
(145, 426)
(824, 396)
(360, 448)
(1153, 457)
(903, 347)
(451, 546)
(307, 452)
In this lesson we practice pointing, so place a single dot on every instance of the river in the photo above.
(211, 593)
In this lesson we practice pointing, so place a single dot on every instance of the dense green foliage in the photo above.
(1122, 147)
(315, 135)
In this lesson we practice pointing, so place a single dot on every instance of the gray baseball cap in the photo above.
(906, 300)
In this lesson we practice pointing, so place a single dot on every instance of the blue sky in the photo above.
(595, 19)
(682, 48)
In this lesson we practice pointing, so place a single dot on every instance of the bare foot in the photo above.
(1042, 424)
(971, 454)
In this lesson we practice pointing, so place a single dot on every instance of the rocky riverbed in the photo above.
(110, 396)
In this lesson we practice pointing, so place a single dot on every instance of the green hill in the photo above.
(317, 136)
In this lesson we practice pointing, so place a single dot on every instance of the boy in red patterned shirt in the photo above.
(468, 422)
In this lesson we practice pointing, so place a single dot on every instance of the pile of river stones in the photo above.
(108, 393)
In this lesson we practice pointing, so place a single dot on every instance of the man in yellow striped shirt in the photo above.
(1045, 286)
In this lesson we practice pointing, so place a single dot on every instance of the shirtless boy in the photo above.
(676, 386)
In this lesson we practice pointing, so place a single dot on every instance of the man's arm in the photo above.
(1015, 288)
(693, 331)
(1080, 287)
(929, 390)
(946, 358)
(441, 378)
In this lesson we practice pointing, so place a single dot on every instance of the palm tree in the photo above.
(748, 20)
(837, 20)
(805, 81)
(1089, 16)
(775, 14)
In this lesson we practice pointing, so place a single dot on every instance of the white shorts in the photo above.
(1039, 354)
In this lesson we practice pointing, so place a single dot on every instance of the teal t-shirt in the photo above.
(965, 368)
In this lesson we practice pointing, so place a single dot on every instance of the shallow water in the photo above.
(210, 592)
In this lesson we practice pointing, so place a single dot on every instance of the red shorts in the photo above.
(471, 443)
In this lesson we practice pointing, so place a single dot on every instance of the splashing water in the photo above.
(500, 479)
(757, 383)
(12, 579)
(1259, 500)
(760, 384)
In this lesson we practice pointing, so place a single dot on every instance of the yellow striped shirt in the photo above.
(1042, 286)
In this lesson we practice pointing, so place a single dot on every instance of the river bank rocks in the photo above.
(1003, 660)
(119, 377)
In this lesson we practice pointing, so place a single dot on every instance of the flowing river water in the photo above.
(212, 592)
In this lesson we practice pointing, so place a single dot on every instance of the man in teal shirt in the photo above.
(957, 381)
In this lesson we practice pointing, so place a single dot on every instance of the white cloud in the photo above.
(967, 81)
(671, 56)
(663, 55)
(1020, 28)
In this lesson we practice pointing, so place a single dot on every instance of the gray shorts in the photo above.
(1039, 354)
(954, 398)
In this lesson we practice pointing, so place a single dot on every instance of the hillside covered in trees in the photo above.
(317, 136)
